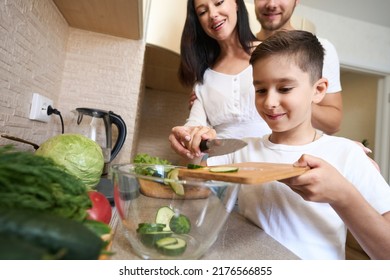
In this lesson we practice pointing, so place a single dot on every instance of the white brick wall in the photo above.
(39, 52)
(33, 37)
(102, 72)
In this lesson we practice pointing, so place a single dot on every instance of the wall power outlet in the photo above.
(39, 106)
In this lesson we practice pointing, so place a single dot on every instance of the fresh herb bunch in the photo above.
(29, 181)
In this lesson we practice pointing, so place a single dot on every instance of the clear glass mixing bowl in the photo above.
(191, 221)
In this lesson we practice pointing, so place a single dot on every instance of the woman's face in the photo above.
(218, 18)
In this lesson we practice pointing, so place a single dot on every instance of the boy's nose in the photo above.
(271, 100)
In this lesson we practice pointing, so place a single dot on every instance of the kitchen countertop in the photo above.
(238, 239)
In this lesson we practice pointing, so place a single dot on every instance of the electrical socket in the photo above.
(39, 106)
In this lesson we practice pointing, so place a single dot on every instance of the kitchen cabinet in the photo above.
(122, 18)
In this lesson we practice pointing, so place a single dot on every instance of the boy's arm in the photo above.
(368, 227)
(323, 183)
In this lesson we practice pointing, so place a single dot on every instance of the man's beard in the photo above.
(272, 26)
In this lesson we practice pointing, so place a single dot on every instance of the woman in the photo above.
(216, 45)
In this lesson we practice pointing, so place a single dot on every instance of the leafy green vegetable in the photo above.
(77, 154)
(148, 159)
(149, 170)
(28, 181)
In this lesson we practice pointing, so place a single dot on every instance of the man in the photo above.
(275, 15)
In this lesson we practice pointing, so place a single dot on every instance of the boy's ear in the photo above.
(321, 86)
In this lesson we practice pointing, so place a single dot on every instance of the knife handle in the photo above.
(203, 146)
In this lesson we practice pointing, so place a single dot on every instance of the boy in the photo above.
(310, 213)
(276, 15)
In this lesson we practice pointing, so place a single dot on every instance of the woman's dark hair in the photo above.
(198, 51)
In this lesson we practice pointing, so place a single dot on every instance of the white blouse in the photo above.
(227, 103)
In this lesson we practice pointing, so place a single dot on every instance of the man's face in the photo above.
(274, 14)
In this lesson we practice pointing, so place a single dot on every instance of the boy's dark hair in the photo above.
(302, 46)
(198, 51)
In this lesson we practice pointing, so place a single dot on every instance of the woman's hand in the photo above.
(185, 140)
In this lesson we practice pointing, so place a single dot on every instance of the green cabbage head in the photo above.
(77, 154)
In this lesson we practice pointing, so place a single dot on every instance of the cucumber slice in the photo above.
(150, 227)
(173, 176)
(194, 166)
(180, 224)
(150, 238)
(174, 249)
(166, 241)
(163, 216)
(223, 169)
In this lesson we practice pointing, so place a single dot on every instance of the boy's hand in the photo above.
(322, 183)
(185, 140)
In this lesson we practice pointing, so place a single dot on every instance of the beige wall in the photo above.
(359, 107)
(165, 104)
(161, 110)
(102, 72)
(39, 52)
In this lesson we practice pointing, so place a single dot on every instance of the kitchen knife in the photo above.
(217, 147)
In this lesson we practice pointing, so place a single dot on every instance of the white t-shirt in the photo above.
(331, 68)
(311, 230)
(227, 102)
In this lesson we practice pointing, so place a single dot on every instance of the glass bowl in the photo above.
(161, 224)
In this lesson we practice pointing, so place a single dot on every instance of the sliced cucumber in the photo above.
(150, 227)
(166, 241)
(180, 224)
(173, 176)
(194, 166)
(223, 169)
(164, 215)
(174, 249)
(150, 238)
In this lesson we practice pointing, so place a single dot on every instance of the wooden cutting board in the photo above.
(248, 172)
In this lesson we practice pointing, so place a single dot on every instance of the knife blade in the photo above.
(217, 147)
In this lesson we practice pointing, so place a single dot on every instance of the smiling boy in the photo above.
(310, 213)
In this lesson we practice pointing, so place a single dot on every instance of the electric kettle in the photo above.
(97, 125)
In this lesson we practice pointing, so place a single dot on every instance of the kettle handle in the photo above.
(122, 132)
